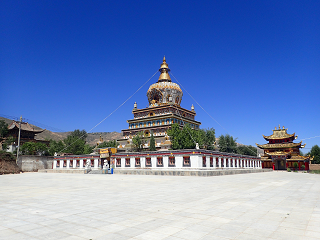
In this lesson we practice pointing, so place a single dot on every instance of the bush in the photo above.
(288, 169)
(303, 166)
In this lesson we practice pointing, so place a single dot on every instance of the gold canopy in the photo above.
(164, 70)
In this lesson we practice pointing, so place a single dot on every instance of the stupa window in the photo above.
(137, 160)
(159, 162)
(186, 161)
(148, 162)
(172, 162)
(204, 162)
(118, 162)
(127, 162)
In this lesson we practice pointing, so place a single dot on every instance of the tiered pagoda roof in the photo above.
(280, 134)
(281, 145)
(24, 127)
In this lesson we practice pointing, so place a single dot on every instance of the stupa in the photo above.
(164, 109)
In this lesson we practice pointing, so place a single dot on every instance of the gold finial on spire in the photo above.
(164, 70)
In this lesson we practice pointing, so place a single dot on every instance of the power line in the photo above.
(207, 112)
(37, 124)
(111, 112)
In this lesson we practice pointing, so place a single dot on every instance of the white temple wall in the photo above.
(196, 161)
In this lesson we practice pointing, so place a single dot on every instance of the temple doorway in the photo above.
(280, 164)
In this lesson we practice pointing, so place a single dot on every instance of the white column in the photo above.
(207, 162)
(233, 163)
(143, 162)
(165, 162)
(214, 162)
(54, 164)
(219, 162)
(68, 163)
(96, 163)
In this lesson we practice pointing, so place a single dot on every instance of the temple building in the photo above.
(27, 134)
(281, 152)
(164, 109)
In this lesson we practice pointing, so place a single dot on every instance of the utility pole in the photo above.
(19, 138)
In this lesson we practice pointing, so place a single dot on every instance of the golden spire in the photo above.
(164, 70)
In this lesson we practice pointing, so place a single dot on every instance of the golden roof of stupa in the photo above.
(164, 69)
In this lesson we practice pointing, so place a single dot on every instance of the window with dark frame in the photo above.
(127, 162)
(78, 163)
(172, 161)
(217, 162)
(118, 162)
(211, 161)
(148, 162)
(186, 161)
(137, 162)
(71, 163)
(64, 163)
(159, 162)
(204, 161)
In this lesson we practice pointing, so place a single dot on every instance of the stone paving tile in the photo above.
(273, 205)
(151, 235)
(187, 234)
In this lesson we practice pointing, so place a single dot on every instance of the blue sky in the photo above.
(252, 65)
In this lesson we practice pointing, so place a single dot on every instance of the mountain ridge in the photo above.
(92, 138)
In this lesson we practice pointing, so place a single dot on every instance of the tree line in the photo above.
(188, 138)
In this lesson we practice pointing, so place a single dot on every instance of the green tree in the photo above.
(175, 136)
(227, 144)
(7, 141)
(3, 129)
(209, 138)
(247, 150)
(34, 148)
(87, 149)
(315, 153)
(152, 143)
(111, 143)
(55, 147)
(186, 138)
(3, 134)
(137, 142)
(75, 142)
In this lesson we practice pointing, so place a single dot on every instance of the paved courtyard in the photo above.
(271, 205)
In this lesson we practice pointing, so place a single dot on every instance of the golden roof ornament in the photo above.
(164, 70)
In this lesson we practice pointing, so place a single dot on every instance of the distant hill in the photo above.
(92, 138)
